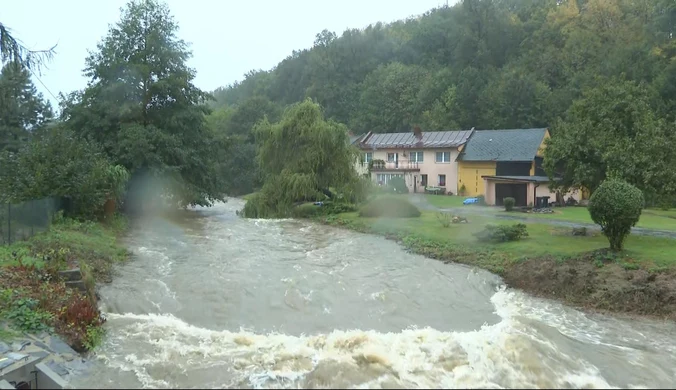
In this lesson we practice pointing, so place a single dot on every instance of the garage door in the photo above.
(517, 191)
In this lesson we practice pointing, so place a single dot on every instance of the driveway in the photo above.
(495, 212)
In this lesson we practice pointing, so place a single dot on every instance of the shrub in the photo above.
(616, 206)
(502, 233)
(481, 200)
(509, 203)
(389, 207)
(337, 208)
(398, 185)
(310, 210)
(580, 231)
(25, 314)
(444, 219)
(59, 164)
(307, 210)
(462, 191)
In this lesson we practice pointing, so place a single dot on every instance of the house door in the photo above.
(415, 184)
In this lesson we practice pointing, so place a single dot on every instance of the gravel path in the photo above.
(493, 212)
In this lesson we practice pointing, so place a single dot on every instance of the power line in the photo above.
(43, 84)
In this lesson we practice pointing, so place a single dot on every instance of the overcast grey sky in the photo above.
(228, 38)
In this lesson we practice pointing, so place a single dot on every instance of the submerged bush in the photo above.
(502, 233)
(616, 206)
(389, 207)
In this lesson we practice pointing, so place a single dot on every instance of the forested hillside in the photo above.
(483, 64)
(490, 64)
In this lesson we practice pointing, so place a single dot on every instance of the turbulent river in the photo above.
(210, 300)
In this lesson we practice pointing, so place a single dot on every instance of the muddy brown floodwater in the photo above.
(211, 300)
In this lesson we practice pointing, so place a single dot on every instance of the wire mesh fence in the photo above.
(20, 221)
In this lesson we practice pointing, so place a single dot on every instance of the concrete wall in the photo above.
(48, 379)
(428, 167)
(44, 378)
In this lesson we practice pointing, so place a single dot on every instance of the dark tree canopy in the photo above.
(142, 107)
(23, 111)
(614, 131)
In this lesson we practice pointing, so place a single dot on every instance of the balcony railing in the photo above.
(401, 165)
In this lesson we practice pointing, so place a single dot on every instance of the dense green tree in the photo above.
(389, 98)
(142, 107)
(60, 164)
(243, 118)
(516, 100)
(614, 130)
(22, 109)
(301, 158)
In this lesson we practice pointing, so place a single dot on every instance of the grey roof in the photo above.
(536, 179)
(503, 145)
(355, 138)
(431, 139)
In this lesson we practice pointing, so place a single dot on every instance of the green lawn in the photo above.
(445, 201)
(94, 245)
(650, 218)
(649, 252)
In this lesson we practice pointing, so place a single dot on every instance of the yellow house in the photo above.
(505, 163)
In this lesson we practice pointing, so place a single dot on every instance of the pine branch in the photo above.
(13, 50)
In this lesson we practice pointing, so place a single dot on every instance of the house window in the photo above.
(368, 157)
(443, 157)
(391, 157)
(442, 180)
(384, 178)
(423, 181)
(416, 157)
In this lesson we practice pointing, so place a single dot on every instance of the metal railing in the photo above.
(21, 221)
(394, 165)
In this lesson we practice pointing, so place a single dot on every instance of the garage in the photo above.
(518, 191)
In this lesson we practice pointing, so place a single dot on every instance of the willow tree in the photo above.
(300, 158)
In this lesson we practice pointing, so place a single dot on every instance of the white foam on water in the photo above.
(163, 261)
(495, 356)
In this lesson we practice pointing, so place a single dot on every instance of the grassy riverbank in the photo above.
(550, 262)
(34, 299)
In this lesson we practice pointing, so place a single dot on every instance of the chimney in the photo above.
(417, 132)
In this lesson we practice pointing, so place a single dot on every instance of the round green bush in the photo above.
(389, 207)
(509, 203)
(616, 206)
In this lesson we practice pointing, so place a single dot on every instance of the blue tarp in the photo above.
(470, 201)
